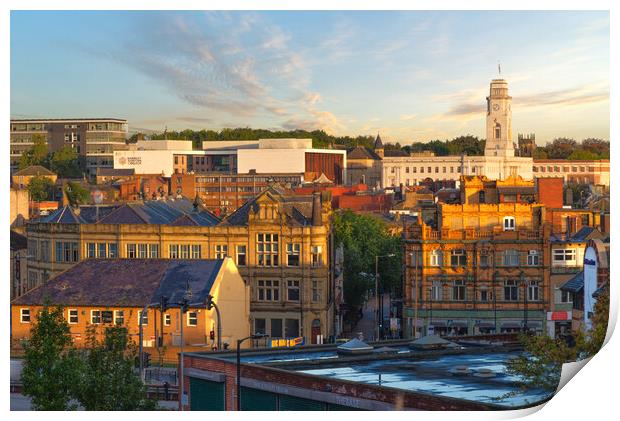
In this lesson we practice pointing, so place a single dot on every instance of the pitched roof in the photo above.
(583, 235)
(297, 208)
(378, 142)
(395, 152)
(34, 170)
(112, 172)
(574, 284)
(361, 152)
(127, 282)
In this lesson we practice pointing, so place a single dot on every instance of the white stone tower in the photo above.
(499, 121)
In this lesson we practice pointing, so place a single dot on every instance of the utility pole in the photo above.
(211, 304)
(379, 303)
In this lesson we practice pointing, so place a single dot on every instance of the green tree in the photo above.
(582, 154)
(108, 381)
(540, 367)
(51, 368)
(561, 148)
(76, 194)
(540, 153)
(599, 147)
(36, 155)
(40, 188)
(64, 162)
(363, 237)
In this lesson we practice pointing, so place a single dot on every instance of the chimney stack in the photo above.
(317, 217)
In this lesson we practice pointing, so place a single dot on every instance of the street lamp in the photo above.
(183, 307)
(379, 304)
(211, 304)
(239, 342)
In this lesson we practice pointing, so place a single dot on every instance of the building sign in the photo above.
(134, 160)
(286, 343)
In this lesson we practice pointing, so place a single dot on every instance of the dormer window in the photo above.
(509, 223)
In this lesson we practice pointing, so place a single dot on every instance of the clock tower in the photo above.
(499, 121)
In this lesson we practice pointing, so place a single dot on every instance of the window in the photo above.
(484, 260)
(184, 251)
(276, 328)
(511, 257)
(221, 251)
(458, 290)
(72, 316)
(436, 291)
(291, 328)
(197, 251)
(267, 249)
(292, 290)
(316, 254)
(145, 318)
(24, 315)
(436, 258)
(67, 252)
(192, 318)
(533, 291)
(142, 251)
(260, 327)
(174, 251)
(167, 319)
(458, 258)
(119, 317)
(485, 295)
(268, 290)
(566, 297)
(292, 254)
(45, 250)
(112, 251)
(498, 131)
(241, 253)
(101, 251)
(533, 258)
(153, 251)
(95, 317)
(131, 251)
(316, 291)
(90, 251)
(509, 223)
(407, 170)
(511, 291)
(106, 316)
(430, 170)
(564, 255)
(436, 169)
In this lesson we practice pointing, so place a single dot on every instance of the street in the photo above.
(366, 326)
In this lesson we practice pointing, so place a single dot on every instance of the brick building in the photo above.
(99, 293)
(593, 172)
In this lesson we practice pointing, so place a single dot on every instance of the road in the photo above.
(366, 326)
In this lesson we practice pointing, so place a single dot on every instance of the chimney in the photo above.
(317, 219)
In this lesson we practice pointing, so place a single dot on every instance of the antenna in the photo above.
(499, 68)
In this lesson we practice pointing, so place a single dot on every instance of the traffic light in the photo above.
(209, 302)
(147, 359)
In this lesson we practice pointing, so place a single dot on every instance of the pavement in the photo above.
(366, 326)
(20, 402)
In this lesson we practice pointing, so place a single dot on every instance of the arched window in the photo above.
(436, 258)
(498, 131)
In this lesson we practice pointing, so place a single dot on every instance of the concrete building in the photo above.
(499, 160)
(594, 172)
(93, 139)
(263, 156)
(280, 243)
(99, 293)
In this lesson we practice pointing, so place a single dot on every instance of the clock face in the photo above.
(495, 107)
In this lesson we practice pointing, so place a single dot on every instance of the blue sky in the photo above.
(413, 76)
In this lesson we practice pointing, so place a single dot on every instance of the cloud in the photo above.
(319, 120)
(408, 117)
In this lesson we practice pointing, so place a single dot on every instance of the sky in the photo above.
(412, 76)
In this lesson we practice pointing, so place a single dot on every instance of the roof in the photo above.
(574, 284)
(296, 208)
(378, 142)
(66, 119)
(583, 235)
(361, 152)
(18, 241)
(127, 283)
(34, 170)
(168, 212)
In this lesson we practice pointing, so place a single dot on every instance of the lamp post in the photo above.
(377, 294)
(211, 304)
(239, 342)
(183, 307)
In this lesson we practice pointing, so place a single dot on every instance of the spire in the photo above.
(378, 142)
